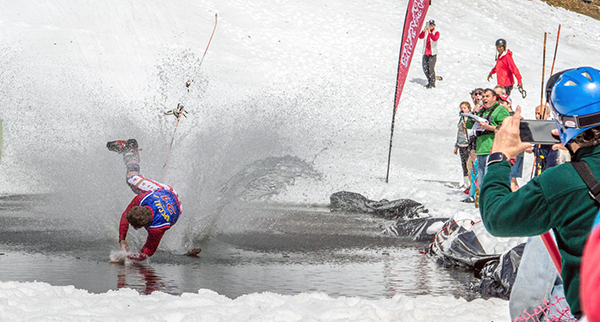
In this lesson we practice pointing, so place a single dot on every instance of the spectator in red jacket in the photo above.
(505, 68)
(429, 51)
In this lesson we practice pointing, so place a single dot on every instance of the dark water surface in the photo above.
(287, 250)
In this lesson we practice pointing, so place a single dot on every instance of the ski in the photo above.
(180, 110)
(449, 184)
(189, 83)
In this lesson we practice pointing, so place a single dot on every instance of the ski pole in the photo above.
(543, 71)
(537, 152)
(552, 69)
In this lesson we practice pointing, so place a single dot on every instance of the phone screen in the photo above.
(538, 131)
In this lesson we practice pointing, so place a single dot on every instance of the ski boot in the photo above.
(468, 200)
(129, 149)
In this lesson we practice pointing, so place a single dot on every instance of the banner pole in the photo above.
(413, 21)
(396, 98)
(387, 176)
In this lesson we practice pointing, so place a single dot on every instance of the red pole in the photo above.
(552, 250)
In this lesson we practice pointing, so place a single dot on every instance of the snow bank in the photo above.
(42, 302)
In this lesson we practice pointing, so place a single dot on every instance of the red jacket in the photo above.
(154, 234)
(506, 69)
(432, 36)
(590, 277)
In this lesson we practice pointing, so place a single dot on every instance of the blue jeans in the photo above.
(516, 171)
(537, 280)
(481, 168)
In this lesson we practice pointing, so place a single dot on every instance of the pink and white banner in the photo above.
(415, 15)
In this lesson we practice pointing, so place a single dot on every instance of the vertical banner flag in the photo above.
(415, 15)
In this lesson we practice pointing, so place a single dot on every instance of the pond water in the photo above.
(286, 250)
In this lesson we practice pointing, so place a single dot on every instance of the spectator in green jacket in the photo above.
(493, 114)
(558, 199)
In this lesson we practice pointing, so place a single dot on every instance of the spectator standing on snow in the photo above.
(429, 51)
(472, 163)
(476, 96)
(558, 199)
(462, 142)
(493, 114)
(505, 68)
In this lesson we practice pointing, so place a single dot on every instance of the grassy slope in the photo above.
(589, 9)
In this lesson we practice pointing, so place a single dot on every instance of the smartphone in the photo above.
(538, 132)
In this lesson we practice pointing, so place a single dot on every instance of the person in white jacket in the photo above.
(429, 51)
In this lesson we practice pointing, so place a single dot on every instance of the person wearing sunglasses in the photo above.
(477, 96)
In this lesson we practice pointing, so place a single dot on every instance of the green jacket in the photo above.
(558, 199)
(485, 141)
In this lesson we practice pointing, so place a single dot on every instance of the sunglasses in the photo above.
(478, 93)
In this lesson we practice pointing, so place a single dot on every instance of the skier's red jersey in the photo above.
(150, 193)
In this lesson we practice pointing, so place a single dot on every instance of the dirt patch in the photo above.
(591, 9)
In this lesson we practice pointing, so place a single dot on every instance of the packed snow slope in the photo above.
(313, 80)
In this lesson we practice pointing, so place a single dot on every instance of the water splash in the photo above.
(233, 147)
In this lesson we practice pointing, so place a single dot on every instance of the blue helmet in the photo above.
(574, 97)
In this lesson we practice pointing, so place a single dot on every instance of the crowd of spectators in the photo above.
(538, 280)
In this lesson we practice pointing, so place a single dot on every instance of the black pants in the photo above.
(429, 69)
(464, 156)
(508, 89)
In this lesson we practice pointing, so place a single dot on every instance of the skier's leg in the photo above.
(131, 157)
(139, 184)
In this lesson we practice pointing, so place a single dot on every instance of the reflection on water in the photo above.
(143, 278)
(368, 273)
(264, 250)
